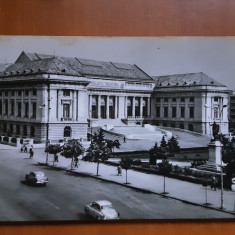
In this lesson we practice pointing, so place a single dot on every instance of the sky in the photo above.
(215, 56)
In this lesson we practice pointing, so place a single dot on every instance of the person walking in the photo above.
(76, 162)
(124, 139)
(119, 170)
(213, 182)
(56, 158)
(31, 153)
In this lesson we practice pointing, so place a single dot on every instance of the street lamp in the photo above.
(221, 167)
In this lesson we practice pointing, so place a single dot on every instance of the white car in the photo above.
(101, 210)
(36, 177)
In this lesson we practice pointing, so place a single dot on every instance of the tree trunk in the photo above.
(126, 176)
(97, 171)
(47, 158)
(72, 163)
(164, 185)
(54, 160)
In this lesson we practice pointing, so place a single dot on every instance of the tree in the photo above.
(72, 149)
(113, 144)
(173, 145)
(53, 149)
(153, 153)
(163, 142)
(99, 151)
(164, 168)
(126, 163)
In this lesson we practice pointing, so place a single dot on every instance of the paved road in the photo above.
(65, 195)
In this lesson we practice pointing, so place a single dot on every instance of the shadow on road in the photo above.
(32, 184)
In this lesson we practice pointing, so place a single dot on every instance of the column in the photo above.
(59, 105)
(74, 106)
(98, 106)
(90, 106)
(148, 107)
(125, 108)
(133, 107)
(141, 107)
(115, 111)
(107, 107)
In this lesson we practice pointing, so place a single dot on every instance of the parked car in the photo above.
(101, 210)
(36, 177)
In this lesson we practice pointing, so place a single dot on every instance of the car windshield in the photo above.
(106, 207)
(39, 174)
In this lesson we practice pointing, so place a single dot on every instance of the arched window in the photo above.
(181, 126)
(190, 127)
(67, 131)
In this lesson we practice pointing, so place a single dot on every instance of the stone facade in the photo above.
(43, 96)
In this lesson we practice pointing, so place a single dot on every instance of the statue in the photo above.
(215, 131)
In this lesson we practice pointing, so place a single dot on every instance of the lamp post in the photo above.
(221, 167)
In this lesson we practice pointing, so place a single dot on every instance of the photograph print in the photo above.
(116, 128)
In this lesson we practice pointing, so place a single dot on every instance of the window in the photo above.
(12, 107)
(66, 110)
(19, 109)
(19, 93)
(66, 92)
(190, 127)
(11, 129)
(182, 112)
(157, 111)
(0, 93)
(6, 107)
(191, 99)
(158, 99)
(26, 110)
(34, 110)
(174, 112)
(32, 131)
(6, 93)
(17, 130)
(0, 107)
(165, 99)
(216, 99)
(191, 112)
(4, 127)
(182, 99)
(67, 131)
(25, 130)
(165, 112)
(216, 112)
(174, 99)
(12, 93)
(26, 93)
(181, 126)
(34, 92)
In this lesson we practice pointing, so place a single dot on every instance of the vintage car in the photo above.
(36, 177)
(101, 210)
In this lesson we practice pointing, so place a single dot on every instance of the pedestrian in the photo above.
(25, 148)
(124, 139)
(213, 182)
(76, 162)
(22, 149)
(119, 170)
(31, 153)
(56, 158)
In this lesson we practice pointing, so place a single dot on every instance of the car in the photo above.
(36, 177)
(101, 210)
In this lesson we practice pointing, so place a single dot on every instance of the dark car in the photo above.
(36, 177)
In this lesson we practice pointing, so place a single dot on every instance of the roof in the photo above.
(103, 203)
(187, 79)
(3, 67)
(33, 63)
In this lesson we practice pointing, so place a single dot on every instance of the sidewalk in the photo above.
(177, 189)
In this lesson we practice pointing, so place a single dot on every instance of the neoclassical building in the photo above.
(44, 96)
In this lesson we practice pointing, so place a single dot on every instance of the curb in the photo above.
(140, 189)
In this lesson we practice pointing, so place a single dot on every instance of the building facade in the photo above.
(47, 97)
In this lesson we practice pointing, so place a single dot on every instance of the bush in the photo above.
(13, 140)
(6, 138)
(137, 162)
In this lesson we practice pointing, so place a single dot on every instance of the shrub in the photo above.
(13, 140)
(6, 138)
(21, 141)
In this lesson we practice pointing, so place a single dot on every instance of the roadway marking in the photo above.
(53, 205)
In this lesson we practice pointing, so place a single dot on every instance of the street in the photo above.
(66, 194)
